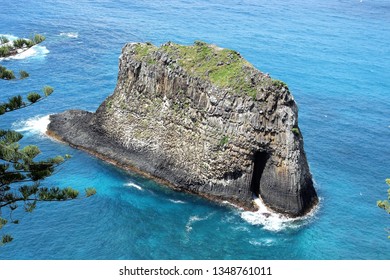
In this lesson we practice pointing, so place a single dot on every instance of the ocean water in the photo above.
(335, 57)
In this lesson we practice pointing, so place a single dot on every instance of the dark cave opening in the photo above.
(260, 160)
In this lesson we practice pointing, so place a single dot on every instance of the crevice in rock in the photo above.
(259, 162)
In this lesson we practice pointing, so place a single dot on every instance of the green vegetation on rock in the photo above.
(224, 140)
(223, 67)
(279, 84)
(143, 50)
(295, 130)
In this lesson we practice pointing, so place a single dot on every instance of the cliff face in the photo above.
(202, 119)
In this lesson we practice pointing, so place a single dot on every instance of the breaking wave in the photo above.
(267, 242)
(70, 34)
(36, 125)
(132, 185)
(9, 36)
(177, 201)
(194, 219)
(273, 221)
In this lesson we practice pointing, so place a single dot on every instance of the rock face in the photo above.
(202, 119)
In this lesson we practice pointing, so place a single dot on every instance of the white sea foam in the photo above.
(36, 125)
(194, 219)
(264, 242)
(271, 220)
(191, 221)
(231, 204)
(70, 34)
(36, 51)
(241, 228)
(9, 37)
(177, 201)
(130, 184)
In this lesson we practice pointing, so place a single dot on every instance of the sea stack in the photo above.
(201, 119)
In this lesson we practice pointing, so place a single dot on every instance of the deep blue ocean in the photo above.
(335, 57)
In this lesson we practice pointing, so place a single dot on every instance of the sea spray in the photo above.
(273, 221)
(70, 34)
(35, 125)
(194, 219)
(177, 201)
(132, 185)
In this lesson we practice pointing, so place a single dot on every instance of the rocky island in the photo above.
(200, 119)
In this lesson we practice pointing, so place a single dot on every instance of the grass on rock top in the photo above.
(223, 67)
(144, 50)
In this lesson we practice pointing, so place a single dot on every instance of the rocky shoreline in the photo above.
(112, 153)
(199, 119)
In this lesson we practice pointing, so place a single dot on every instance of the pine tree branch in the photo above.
(25, 105)
(34, 199)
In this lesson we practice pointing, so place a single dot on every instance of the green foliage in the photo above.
(200, 43)
(109, 104)
(21, 173)
(47, 90)
(296, 131)
(385, 204)
(20, 43)
(224, 140)
(4, 51)
(55, 193)
(16, 102)
(143, 50)
(3, 222)
(3, 40)
(223, 67)
(279, 84)
(6, 239)
(38, 38)
(23, 43)
(33, 97)
(90, 192)
(23, 74)
(6, 74)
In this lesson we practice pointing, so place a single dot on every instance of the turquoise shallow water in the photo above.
(335, 57)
